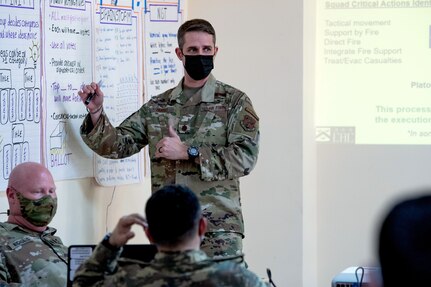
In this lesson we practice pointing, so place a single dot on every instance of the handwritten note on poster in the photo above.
(163, 68)
(118, 65)
(20, 85)
(67, 65)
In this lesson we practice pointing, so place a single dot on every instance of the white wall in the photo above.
(310, 204)
(87, 211)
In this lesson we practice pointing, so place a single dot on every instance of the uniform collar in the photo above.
(11, 226)
(181, 257)
(206, 94)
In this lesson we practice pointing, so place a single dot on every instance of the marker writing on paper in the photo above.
(91, 96)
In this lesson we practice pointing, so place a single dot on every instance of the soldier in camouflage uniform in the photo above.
(174, 222)
(30, 254)
(202, 133)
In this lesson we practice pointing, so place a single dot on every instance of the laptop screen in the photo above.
(77, 254)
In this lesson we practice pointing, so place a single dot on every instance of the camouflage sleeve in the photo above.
(239, 157)
(110, 142)
(233, 274)
(92, 272)
(4, 273)
(253, 280)
(5, 277)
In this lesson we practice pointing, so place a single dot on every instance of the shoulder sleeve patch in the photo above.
(248, 123)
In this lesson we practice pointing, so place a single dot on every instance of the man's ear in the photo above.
(203, 223)
(148, 233)
(215, 51)
(179, 53)
(10, 194)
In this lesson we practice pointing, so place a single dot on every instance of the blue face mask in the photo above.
(199, 66)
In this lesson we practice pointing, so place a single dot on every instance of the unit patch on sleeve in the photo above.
(248, 123)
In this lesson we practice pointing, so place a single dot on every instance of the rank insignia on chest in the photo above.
(183, 129)
(248, 123)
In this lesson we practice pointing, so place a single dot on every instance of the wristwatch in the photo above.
(105, 242)
(193, 152)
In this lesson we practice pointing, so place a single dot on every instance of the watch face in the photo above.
(193, 151)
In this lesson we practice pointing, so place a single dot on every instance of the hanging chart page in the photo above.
(68, 57)
(119, 67)
(163, 69)
(20, 85)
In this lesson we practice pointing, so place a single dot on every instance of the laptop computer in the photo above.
(77, 254)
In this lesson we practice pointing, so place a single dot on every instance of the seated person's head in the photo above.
(31, 196)
(405, 244)
(174, 217)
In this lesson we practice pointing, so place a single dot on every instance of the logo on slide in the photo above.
(335, 135)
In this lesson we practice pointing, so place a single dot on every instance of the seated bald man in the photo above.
(30, 254)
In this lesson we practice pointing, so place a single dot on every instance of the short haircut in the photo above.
(173, 213)
(405, 243)
(195, 25)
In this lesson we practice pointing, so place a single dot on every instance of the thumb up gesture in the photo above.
(171, 147)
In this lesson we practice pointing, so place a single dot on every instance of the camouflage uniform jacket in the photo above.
(218, 118)
(30, 258)
(176, 269)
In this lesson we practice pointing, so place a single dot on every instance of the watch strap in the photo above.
(105, 242)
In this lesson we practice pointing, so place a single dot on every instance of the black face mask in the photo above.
(199, 66)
